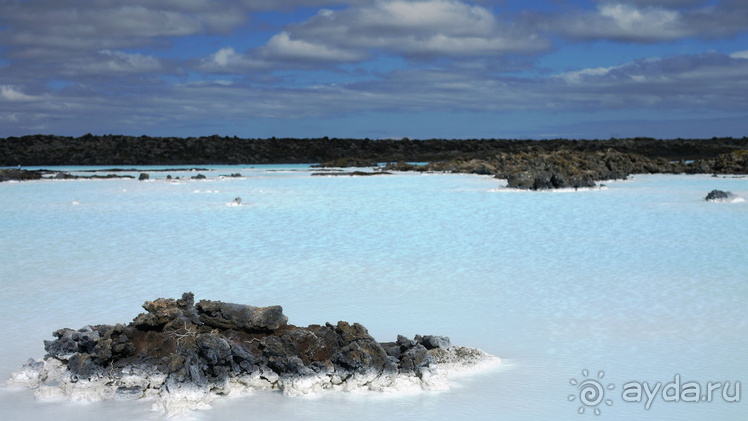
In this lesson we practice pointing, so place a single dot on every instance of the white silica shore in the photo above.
(51, 379)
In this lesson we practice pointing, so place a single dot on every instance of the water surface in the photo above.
(642, 280)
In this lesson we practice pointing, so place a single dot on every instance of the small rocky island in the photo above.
(182, 355)
(721, 196)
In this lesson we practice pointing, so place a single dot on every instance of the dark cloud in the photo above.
(709, 81)
(67, 63)
(688, 83)
(51, 29)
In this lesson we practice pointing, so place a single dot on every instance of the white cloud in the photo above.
(281, 46)
(625, 23)
(579, 76)
(629, 18)
(430, 16)
(704, 82)
(223, 56)
(119, 61)
(227, 60)
(651, 21)
(740, 54)
(655, 3)
(420, 29)
(13, 94)
(443, 45)
(709, 81)
(413, 29)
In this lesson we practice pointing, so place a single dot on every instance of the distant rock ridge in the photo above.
(13, 174)
(182, 355)
(543, 170)
(17, 174)
(41, 150)
(525, 164)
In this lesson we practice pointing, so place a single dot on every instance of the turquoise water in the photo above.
(642, 280)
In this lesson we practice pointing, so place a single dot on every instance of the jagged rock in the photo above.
(414, 359)
(432, 341)
(359, 350)
(144, 176)
(237, 316)
(168, 314)
(719, 196)
(536, 178)
(521, 180)
(8, 174)
(183, 354)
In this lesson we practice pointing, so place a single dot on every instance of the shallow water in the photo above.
(642, 280)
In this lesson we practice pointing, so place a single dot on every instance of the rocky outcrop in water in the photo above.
(540, 170)
(25, 175)
(13, 174)
(719, 196)
(349, 173)
(564, 168)
(183, 354)
(525, 164)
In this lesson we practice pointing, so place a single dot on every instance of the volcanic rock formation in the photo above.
(182, 355)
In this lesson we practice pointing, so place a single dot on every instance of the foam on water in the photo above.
(50, 380)
(642, 279)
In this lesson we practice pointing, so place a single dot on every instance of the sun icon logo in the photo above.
(591, 392)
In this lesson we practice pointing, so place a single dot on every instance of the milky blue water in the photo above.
(641, 280)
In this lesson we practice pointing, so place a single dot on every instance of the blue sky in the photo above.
(375, 68)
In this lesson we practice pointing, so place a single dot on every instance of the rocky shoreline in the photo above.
(118, 150)
(182, 355)
(574, 169)
(525, 164)
(18, 174)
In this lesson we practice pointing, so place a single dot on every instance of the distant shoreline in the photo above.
(38, 150)
(526, 164)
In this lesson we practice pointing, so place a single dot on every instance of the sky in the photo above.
(581, 69)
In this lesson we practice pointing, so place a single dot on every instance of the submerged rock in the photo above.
(182, 355)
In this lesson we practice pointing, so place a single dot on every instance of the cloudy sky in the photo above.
(375, 68)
